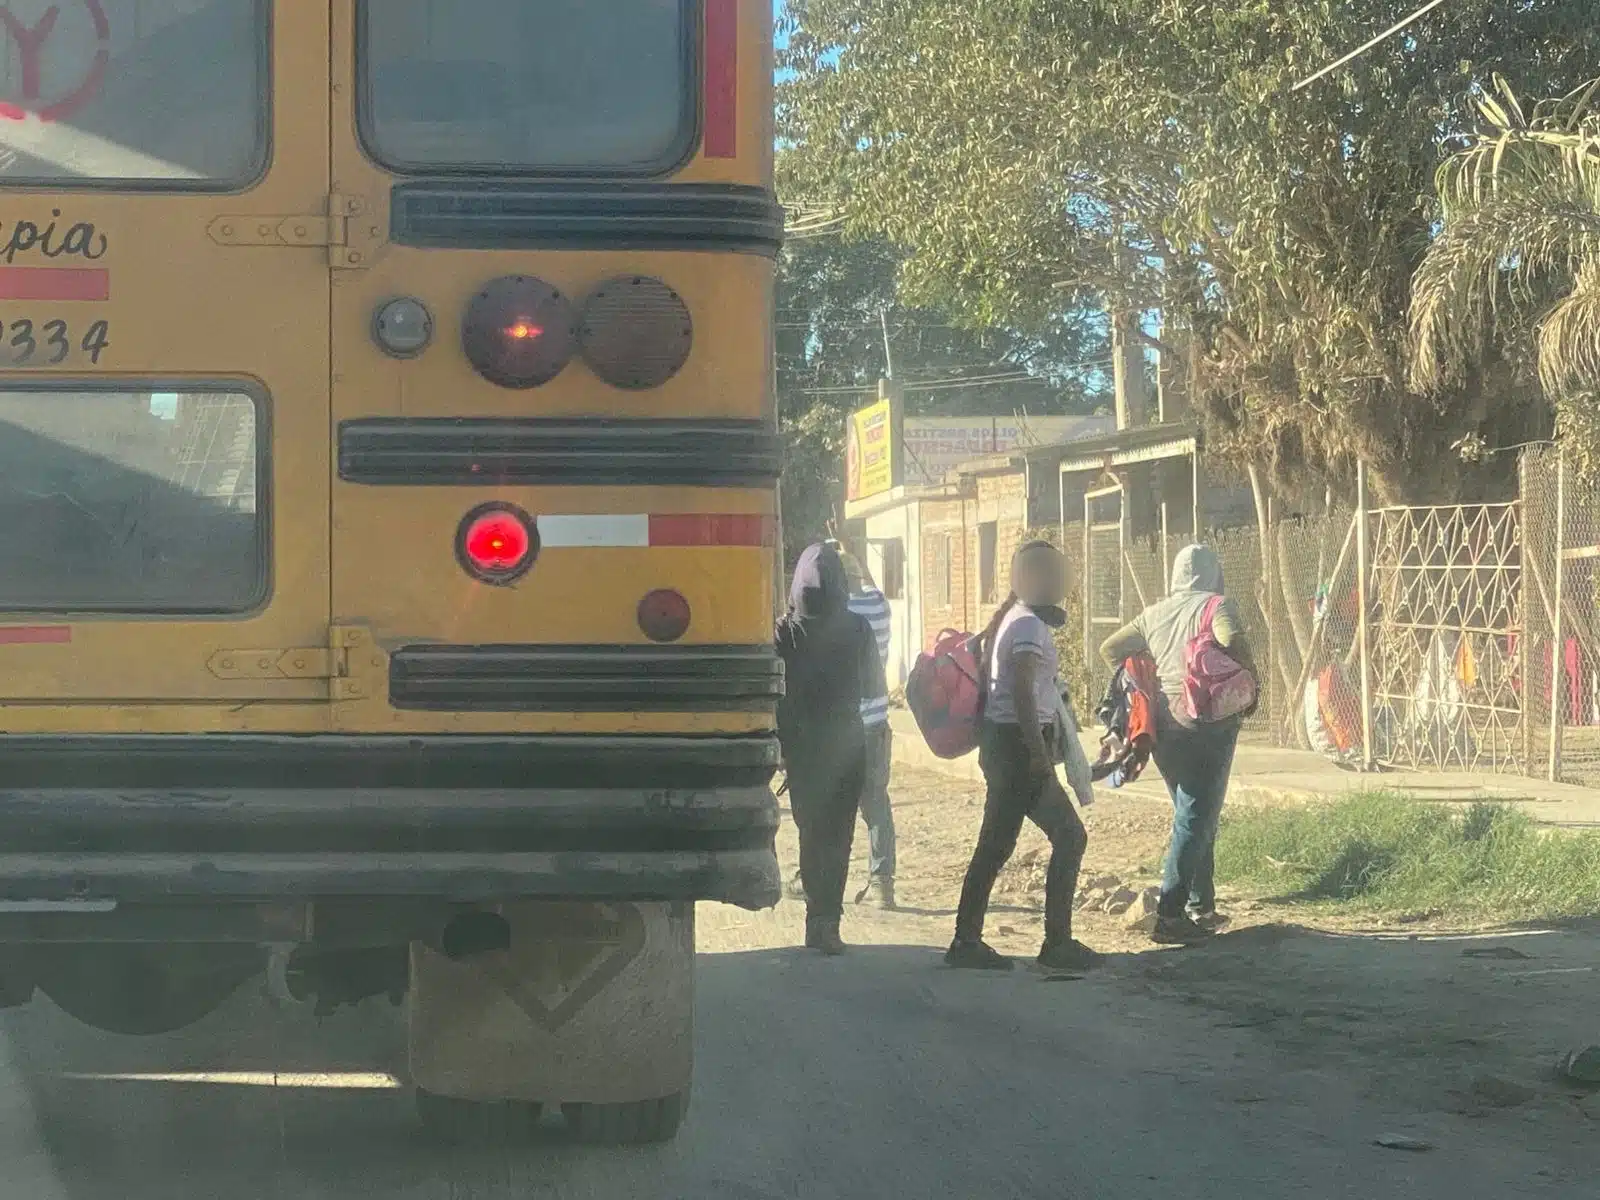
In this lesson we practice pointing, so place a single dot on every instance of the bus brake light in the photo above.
(497, 543)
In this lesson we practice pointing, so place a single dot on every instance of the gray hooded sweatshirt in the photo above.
(1167, 626)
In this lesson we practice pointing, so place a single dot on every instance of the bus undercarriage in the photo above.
(540, 937)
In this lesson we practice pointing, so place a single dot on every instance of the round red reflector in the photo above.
(497, 543)
(518, 332)
(664, 615)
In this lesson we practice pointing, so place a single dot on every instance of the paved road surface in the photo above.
(879, 1075)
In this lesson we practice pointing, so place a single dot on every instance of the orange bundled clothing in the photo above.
(1128, 713)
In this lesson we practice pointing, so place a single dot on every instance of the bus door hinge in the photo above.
(347, 230)
(350, 662)
(306, 662)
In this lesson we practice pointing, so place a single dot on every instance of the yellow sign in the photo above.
(869, 452)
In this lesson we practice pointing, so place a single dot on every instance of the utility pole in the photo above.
(888, 353)
(889, 390)
(1128, 376)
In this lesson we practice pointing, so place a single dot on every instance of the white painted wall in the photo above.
(905, 641)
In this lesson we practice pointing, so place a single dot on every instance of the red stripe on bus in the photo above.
(35, 635)
(55, 283)
(721, 136)
(711, 529)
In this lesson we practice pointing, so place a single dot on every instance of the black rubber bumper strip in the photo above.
(205, 763)
(609, 215)
(599, 452)
(626, 679)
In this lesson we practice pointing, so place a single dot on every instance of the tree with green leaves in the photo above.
(839, 319)
(1150, 154)
(1515, 269)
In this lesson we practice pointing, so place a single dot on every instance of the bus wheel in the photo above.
(143, 990)
(470, 1122)
(627, 1124)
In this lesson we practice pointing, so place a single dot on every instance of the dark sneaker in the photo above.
(1178, 931)
(795, 889)
(975, 956)
(1069, 956)
(1209, 919)
(879, 890)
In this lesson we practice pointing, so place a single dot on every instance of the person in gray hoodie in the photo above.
(1194, 759)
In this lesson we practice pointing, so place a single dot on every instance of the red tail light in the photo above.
(497, 543)
(664, 615)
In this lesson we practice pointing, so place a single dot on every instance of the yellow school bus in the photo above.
(387, 521)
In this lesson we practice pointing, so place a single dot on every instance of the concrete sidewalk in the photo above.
(1268, 775)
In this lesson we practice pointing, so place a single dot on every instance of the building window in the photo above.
(988, 543)
(894, 569)
(939, 570)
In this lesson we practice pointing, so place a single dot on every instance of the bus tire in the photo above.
(142, 991)
(637, 1123)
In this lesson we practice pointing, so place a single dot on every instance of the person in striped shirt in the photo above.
(869, 602)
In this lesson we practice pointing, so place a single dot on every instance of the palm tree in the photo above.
(1514, 271)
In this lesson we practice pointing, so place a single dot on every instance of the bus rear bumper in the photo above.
(89, 826)
(47, 884)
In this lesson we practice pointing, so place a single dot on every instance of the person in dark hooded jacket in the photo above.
(831, 664)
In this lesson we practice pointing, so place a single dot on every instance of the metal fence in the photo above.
(1562, 599)
(1459, 637)
(1445, 592)
(1455, 637)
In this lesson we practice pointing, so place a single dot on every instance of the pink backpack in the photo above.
(946, 691)
(1215, 687)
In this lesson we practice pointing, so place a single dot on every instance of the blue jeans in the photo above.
(875, 810)
(1195, 764)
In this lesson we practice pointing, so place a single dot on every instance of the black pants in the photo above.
(1015, 793)
(824, 789)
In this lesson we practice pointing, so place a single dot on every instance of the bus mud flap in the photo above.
(589, 1003)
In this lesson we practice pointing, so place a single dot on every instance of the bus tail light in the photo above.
(664, 615)
(518, 332)
(635, 332)
(497, 543)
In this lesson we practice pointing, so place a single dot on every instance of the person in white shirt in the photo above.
(1021, 740)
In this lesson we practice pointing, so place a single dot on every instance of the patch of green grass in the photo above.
(1386, 853)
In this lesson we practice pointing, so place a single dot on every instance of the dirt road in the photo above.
(1262, 1066)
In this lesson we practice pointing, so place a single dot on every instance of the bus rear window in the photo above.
(166, 93)
(130, 502)
(528, 85)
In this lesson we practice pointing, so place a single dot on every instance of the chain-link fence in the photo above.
(1562, 603)
(1313, 623)
(1122, 576)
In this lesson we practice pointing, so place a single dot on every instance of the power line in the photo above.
(1368, 45)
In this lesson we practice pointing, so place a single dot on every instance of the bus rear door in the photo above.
(557, 309)
(165, 245)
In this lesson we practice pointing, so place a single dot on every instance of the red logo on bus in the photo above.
(30, 42)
